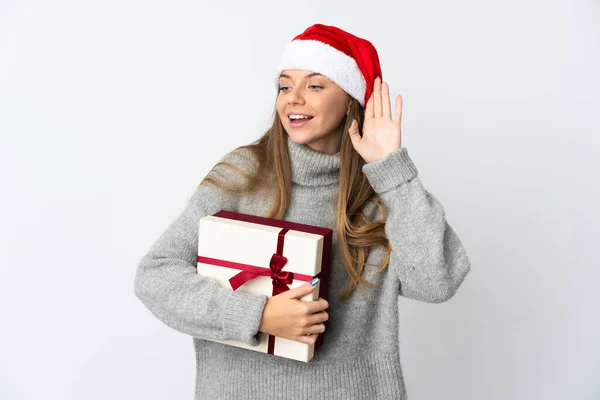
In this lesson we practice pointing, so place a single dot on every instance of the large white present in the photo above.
(265, 256)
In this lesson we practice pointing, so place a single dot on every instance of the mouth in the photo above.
(299, 122)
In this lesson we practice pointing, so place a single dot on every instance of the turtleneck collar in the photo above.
(311, 167)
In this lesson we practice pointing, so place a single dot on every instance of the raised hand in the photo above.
(381, 134)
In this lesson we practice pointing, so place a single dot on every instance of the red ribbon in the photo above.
(280, 279)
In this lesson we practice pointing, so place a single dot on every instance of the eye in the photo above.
(281, 88)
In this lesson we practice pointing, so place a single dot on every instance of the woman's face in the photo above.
(308, 93)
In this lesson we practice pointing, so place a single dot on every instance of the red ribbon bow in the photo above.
(280, 279)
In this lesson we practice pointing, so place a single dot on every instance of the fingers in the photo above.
(398, 112)
(386, 108)
(354, 134)
(377, 98)
(298, 292)
(353, 128)
(308, 339)
(315, 329)
(369, 110)
(311, 334)
(379, 105)
(316, 306)
(318, 318)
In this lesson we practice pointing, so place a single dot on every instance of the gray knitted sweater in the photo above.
(359, 358)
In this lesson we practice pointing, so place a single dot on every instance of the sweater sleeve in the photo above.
(427, 256)
(168, 284)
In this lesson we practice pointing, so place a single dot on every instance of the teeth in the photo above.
(299, 117)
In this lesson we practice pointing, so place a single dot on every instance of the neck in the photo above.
(328, 145)
(311, 167)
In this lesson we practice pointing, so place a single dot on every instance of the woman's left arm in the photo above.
(427, 256)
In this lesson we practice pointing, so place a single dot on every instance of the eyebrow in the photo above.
(307, 76)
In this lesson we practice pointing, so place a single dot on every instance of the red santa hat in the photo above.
(350, 62)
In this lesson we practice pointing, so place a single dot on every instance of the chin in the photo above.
(299, 138)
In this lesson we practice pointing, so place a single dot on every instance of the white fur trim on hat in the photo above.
(315, 56)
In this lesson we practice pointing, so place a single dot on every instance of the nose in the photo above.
(295, 96)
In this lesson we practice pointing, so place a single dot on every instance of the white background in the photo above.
(111, 112)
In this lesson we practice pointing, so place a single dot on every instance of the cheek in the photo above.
(280, 107)
(334, 113)
(332, 106)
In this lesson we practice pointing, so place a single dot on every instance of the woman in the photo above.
(333, 157)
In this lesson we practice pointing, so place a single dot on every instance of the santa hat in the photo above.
(350, 62)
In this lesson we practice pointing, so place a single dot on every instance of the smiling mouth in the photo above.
(297, 123)
(300, 119)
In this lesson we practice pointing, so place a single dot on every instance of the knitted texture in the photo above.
(360, 357)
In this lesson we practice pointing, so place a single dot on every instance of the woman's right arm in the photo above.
(168, 284)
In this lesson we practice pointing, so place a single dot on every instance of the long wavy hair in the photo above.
(356, 234)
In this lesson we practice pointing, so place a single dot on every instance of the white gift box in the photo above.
(238, 246)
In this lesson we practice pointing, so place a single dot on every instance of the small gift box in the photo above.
(265, 256)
